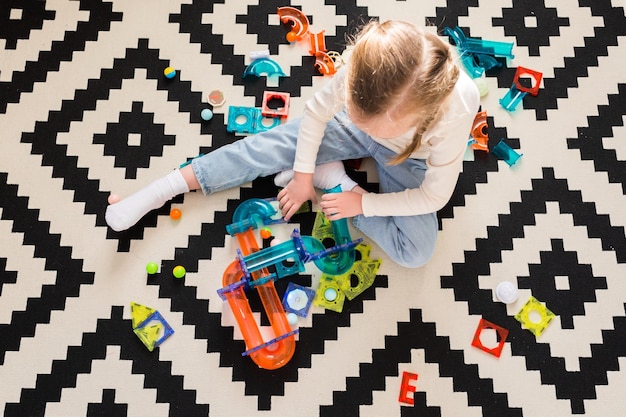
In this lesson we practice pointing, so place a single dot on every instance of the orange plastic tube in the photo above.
(276, 354)
(298, 21)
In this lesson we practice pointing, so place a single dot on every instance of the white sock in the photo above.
(124, 214)
(326, 176)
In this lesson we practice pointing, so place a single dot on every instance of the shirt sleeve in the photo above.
(318, 111)
(447, 142)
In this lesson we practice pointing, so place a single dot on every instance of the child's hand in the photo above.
(299, 190)
(341, 205)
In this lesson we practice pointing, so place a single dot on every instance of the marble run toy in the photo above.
(334, 289)
(251, 270)
(480, 138)
(478, 55)
(264, 66)
(298, 21)
(318, 43)
(504, 151)
(512, 98)
(324, 63)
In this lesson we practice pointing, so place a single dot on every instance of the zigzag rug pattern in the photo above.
(86, 111)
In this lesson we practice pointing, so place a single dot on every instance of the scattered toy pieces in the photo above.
(175, 214)
(152, 268)
(262, 54)
(206, 114)
(249, 120)
(179, 271)
(501, 334)
(264, 66)
(280, 107)
(216, 98)
(149, 326)
(407, 390)
(169, 72)
(505, 152)
(512, 98)
(535, 76)
(480, 138)
(542, 313)
(298, 21)
(478, 55)
(507, 292)
(300, 30)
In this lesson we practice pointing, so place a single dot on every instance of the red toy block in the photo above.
(283, 108)
(535, 75)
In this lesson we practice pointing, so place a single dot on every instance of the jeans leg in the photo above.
(408, 240)
(273, 151)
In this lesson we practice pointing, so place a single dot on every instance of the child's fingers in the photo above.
(293, 208)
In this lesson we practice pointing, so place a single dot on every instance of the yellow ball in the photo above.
(169, 72)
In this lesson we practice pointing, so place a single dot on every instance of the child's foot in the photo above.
(326, 176)
(125, 213)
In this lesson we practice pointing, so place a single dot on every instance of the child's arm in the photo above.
(318, 111)
(444, 163)
(447, 143)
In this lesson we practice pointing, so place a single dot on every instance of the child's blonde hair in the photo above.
(398, 68)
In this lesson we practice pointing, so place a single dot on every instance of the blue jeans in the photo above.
(408, 240)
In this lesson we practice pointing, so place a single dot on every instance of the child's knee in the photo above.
(414, 251)
(413, 258)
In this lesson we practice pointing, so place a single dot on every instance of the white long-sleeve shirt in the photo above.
(443, 146)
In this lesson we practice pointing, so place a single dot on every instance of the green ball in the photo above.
(179, 271)
(152, 268)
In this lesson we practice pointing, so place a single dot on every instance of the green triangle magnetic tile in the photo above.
(139, 313)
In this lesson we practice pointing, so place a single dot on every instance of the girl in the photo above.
(401, 99)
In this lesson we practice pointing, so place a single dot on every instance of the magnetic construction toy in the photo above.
(250, 270)
(545, 316)
(501, 332)
(149, 325)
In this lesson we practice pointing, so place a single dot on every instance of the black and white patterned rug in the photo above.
(85, 110)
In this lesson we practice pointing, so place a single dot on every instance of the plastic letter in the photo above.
(406, 388)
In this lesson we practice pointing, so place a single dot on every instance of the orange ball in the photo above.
(291, 37)
(266, 233)
(175, 214)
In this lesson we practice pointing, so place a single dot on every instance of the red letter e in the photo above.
(405, 388)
